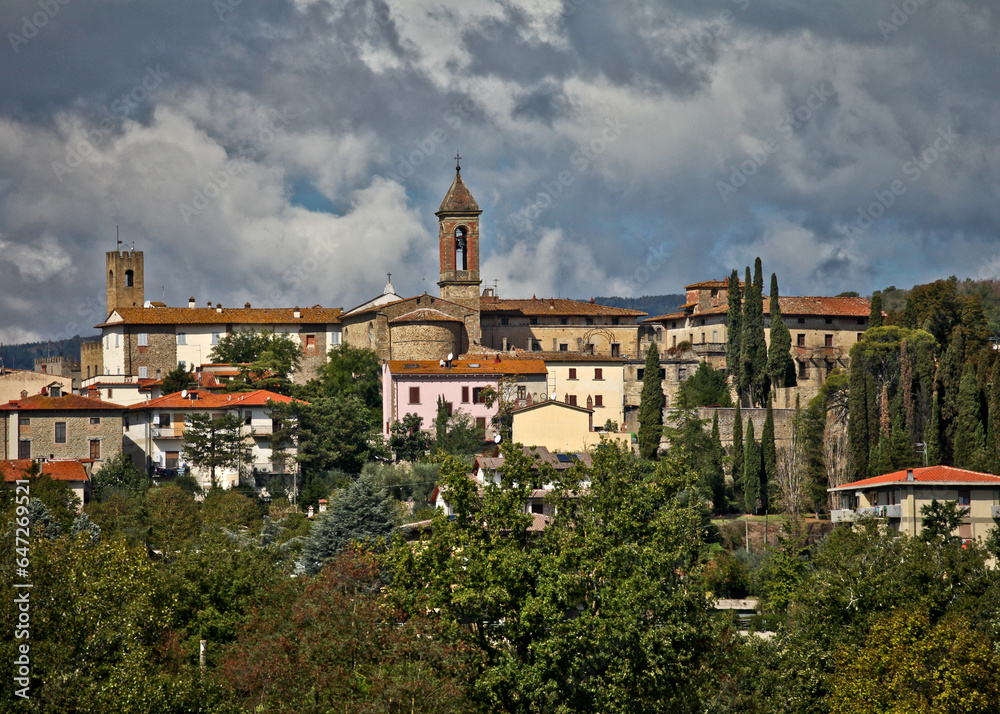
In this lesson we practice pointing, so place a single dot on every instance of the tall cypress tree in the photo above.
(736, 457)
(932, 435)
(874, 424)
(734, 330)
(993, 429)
(949, 384)
(769, 455)
(717, 474)
(779, 361)
(906, 389)
(753, 348)
(651, 405)
(857, 420)
(751, 470)
(970, 440)
(910, 316)
(875, 316)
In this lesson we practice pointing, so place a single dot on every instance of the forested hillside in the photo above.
(651, 304)
(22, 356)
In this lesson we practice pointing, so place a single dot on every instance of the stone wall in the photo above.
(159, 353)
(550, 338)
(311, 365)
(426, 340)
(783, 423)
(91, 359)
(79, 433)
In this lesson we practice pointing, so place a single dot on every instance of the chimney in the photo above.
(296, 313)
(191, 301)
(909, 475)
(246, 305)
(24, 394)
(218, 307)
(45, 368)
(208, 304)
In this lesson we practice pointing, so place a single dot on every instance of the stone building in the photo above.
(67, 426)
(16, 383)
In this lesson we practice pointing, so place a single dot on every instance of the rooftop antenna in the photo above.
(118, 239)
(2, 370)
(163, 289)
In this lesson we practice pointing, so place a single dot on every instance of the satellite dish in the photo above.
(497, 439)
(441, 363)
(450, 356)
(184, 393)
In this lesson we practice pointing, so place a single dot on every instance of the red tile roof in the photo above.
(213, 400)
(926, 474)
(724, 283)
(792, 306)
(558, 356)
(61, 470)
(466, 367)
(228, 316)
(64, 403)
(459, 199)
(552, 306)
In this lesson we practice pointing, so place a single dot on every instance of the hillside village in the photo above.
(746, 446)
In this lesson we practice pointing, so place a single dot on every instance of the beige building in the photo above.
(595, 382)
(61, 427)
(898, 497)
(74, 473)
(20, 383)
(560, 427)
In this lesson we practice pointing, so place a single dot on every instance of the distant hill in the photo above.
(652, 304)
(23, 356)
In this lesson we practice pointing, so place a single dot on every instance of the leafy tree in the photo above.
(780, 367)
(707, 387)
(351, 371)
(231, 510)
(875, 316)
(504, 396)
(462, 435)
(857, 424)
(716, 476)
(970, 437)
(752, 471)
(940, 518)
(993, 433)
(336, 433)
(753, 349)
(213, 443)
(937, 308)
(734, 328)
(121, 514)
(178, 379)
(651, 405)
(174, 519)
(949, 384)
(408, 441)
(266, 359)
(361, 514)
(82, 525)
(41, 521)
(119, 473)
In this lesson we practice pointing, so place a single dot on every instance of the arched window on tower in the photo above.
(129, 279)
(111, 277)
(461, 248)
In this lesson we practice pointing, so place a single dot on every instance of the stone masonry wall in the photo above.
(783, 422)
(160, 352)
(79, 432)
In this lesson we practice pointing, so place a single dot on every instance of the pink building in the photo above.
(413, 387)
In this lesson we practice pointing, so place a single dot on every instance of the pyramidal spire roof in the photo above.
(458, 199)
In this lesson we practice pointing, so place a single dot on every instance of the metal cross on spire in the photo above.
(458, 162)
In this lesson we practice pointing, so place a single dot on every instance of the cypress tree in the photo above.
(651, 405)
(751, 470)
(874, 425)
(779, 360)
(993, 429)
(753, 349)
(857, 420)
(769, 455)
(901, 453)
(970, 440)
(932, 435)
(910, 316)
(875, 317)
(879, 461)
(717, 475)
(949, 384)
(736, 457)
(906, 389)
(734, 331)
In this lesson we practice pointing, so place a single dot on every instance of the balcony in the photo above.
(709, 348)
(167, 433)
(842, 515)
(995, 511)
(846, 515)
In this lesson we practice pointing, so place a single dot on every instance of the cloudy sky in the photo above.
(290, 152)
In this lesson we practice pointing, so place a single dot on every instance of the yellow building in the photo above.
(898, 497)
(559, 427)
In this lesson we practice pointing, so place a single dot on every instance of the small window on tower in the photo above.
(129, 279)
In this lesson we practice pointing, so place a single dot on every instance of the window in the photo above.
(802, 320)
(504, 321)
(598, 374)
(124, 421)
(828, 340)
(477, 395)
(861, 336)
(522, 392)
(60, 437)
(248, 419)
(564, 320)
(481, 423)
(572, 372)
(55, 391)
(801, 340)
(537, 508)
(24, 421)
(640, 373)
(715, 336)
(182, 338)
(534, 321)
(310, 345)
(589, 320)
(144, 339)
(598, 400)
(537, 346)
(465, 395)
(129, 279)
(449, 407)
(674, 341)
(95, 420)
(24, 449)
(702, 338)
(571, 399)
(682, 374)
(861, 320)
(164, 419)
(116, 339)
(95, 449)
(828, 320)
(964, 497)
(110, 393)
(803, 370)
(615, 349)
(173, 459)
(614, 320)
(563, 347)
(414, 395)
(143, 372)
(215, 337)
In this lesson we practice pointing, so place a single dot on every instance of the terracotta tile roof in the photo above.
(228, 316)
(425, 314)
(61, 470)
(552, 306)
(926, 474)
(466, 367)
(724, 283)
(66, 402)
(567, 356)
(434, 301)
(459, 199)
(793, 306)
(551, 403)
(212, 400)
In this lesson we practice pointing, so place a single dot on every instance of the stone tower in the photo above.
(124, 279)
(458, 233)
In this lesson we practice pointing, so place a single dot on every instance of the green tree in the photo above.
(752, 471)
(734, 328)
(970, 437)
(707, 387)
(780, 367)
(121, 513)
(173, 517)
(407, 440)
(119, 473)
(337, 433)
(351, 371)
(769, 456)
(651, 405)
(266, 359)
(875, 316)
(361, 513)
(949, 385)
(461, 435)
(178, 379)
(932, 435)
(993, 432)
(753, 349)
(857, 424)
(716, 476)
(940, 518)
(213, 443)
(736, 459)
(231, 510)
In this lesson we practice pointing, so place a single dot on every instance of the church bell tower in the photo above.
(458, 234)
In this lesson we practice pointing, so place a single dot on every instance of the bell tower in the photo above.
(458, 235)
(125, 278)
